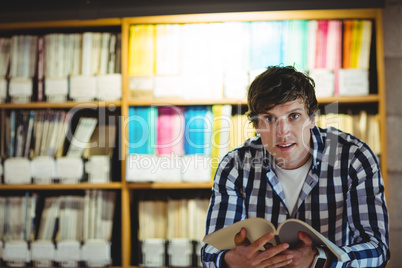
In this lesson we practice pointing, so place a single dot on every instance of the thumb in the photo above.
(241, 237)
(305, 238)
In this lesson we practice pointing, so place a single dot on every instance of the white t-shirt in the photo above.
(292, 181)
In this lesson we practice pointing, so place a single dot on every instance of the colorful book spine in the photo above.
(141, 58)
(194, 133)
(170, 131)
(142, 130)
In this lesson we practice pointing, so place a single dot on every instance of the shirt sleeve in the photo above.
(226, 207)
(367, 214)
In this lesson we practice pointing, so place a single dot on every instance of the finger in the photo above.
(278, 260)
(279, 249)
(241, 237)
(260, 242)
(283, 263)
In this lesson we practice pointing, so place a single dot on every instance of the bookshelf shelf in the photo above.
(185, 102)
(169, 185)
(59, 186)
(61, 105)
(372, 98)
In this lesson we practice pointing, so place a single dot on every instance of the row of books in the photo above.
(36, 133)
(56, 66)
(186, 143)
(67, 217)
(171, 219)
(33, 133)
(210, 131)
(77, 217)
(78, 225)
(206, 130)
(176, 252)
(41, 145)
(17, 217)
(364, 126)
(211, 60)
(68, 253)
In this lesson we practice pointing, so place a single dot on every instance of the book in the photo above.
(82, 135)
(285, 233)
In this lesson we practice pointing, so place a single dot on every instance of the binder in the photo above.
(17, 170)
(98, 169)
(20, 89)
(96, 253)
(65, 173)
(68, 253)
(180, 252)
(16, 253)
(43, 169)
(108, 87)
(43, 253)
(56, 89)
(82, 87)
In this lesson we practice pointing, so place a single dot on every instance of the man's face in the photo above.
(285, 133)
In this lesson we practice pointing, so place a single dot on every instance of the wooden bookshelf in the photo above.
(377, 99)
(127, 190)
(169, 185)
(60, 186)
(60, 105)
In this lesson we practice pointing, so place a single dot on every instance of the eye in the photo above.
(294, 116)
(269, 118)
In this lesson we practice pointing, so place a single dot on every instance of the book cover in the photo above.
(285, 233)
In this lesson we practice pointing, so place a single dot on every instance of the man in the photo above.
(293, 169)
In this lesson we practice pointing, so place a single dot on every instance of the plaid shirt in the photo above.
(342, 196)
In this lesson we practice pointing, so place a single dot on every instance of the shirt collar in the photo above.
(318, 148)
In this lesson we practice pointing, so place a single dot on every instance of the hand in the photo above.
(247, 254)
(304, 252)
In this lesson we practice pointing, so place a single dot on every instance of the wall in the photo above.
(42, 10)
(393, 78)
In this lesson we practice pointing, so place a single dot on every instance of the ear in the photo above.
(312, 120)
(256, 128)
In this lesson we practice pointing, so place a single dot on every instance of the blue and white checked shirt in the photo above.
(342, 196)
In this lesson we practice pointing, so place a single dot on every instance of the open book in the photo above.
(286, 233)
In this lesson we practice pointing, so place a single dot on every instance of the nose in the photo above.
(282, 127)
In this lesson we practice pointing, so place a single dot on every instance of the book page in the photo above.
(288, 230)
(224, 238)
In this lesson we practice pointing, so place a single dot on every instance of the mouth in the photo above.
(285, 146)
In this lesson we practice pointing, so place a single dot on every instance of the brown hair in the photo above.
(278, 85)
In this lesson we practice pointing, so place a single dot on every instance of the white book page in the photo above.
(224, 238)
(288, 234)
